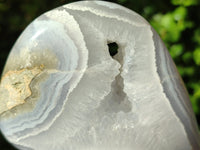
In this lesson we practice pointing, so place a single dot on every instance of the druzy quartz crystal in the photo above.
(61, 88)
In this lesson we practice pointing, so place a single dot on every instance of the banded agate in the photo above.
(62, 90)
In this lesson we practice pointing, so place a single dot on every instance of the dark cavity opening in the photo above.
(113, 48)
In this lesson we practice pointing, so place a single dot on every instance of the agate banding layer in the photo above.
(62, 90)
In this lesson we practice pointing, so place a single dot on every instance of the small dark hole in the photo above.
(113, 48)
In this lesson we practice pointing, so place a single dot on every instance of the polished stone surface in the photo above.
(69, 93)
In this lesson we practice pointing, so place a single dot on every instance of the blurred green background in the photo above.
(176, 21)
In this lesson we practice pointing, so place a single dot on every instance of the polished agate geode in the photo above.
(61, 88)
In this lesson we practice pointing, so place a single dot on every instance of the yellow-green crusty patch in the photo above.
(15, 87)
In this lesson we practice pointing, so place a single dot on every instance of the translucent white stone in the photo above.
(71, 94)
